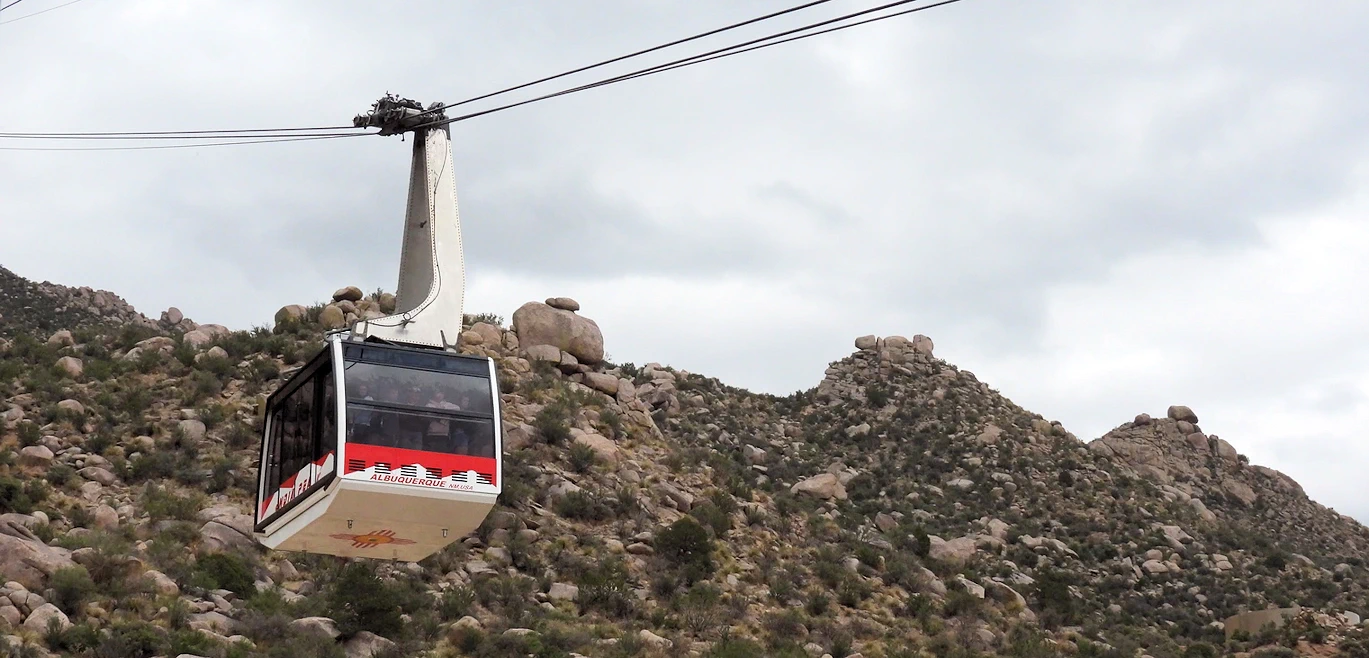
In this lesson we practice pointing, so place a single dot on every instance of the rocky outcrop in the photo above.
(39, 308)
(25, 559)
(541, 324)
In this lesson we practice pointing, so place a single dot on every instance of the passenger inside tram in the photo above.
(419, 415)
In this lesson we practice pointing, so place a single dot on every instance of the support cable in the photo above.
(630, 55)
(709, 56)
(178, 146)
(15, 20)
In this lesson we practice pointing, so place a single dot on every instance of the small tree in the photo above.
(685, 545)
(360, 601)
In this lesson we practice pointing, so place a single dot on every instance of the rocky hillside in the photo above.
(900, 508)
(28, 307)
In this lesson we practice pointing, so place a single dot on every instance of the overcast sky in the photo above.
(1100, 208)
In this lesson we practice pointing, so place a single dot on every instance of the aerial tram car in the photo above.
(387, 444)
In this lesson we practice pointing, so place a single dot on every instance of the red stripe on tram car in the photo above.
(361, 456)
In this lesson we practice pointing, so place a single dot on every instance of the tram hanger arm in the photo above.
(430, 296)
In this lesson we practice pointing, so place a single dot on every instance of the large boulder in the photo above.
(563, 303)
(25, 559)
(332, 317)
(955, 551)
(226, 528)
(824, 486)
(320, 626)
(605, 449)
(291, 313)
(366, 644)
(539, 324)
(197, 339)
(43, 615)
(1181, 412)
(348, 294)
(35, 456)
(72, 366)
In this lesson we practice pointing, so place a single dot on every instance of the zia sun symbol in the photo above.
(373, 539)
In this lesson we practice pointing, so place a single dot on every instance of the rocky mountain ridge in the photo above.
(899, 508)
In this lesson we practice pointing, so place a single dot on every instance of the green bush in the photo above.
(582, 457)
(583, 506)
(877, 396)
(456, 603)
(467, 639)
(73, 587)
(153, 465)
(190, 642)
(136, 639)
(605, 587)
(736, 648)
(60, 475)
(686, 546)
(21, 497)
(708, 514)
(507, 595)
(224, 571)
(76, 639)
(1200, 650)
(553, 423)
(29, 434)
(163, 503)
(360, 601)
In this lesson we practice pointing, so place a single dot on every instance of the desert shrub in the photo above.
(467, 639)
(152, 465)
(162, 503)
(360, 601)
(583, 506)
(605, 587)
(698, 608)
(507, 595)
(708, 514)
(190, 642)
(76, 639)
(1200, 650)
(202, 384)
(685, 545)
(60, 475)
(72, 586)
(29, 434)
(222, 475)
(224, 571)
(613, 421)
(240, 435)
(487, 318)
(961, 603)
(213, 414)
(736, 648)
(582, 457)
(215, 365)
(456, 603)
(1027, 642)
(21, 497)
(553, 423)
(1056, 603)
(132, 639)
(818, 603)
(135, 401)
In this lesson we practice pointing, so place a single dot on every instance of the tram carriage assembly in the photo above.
(387, 444)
